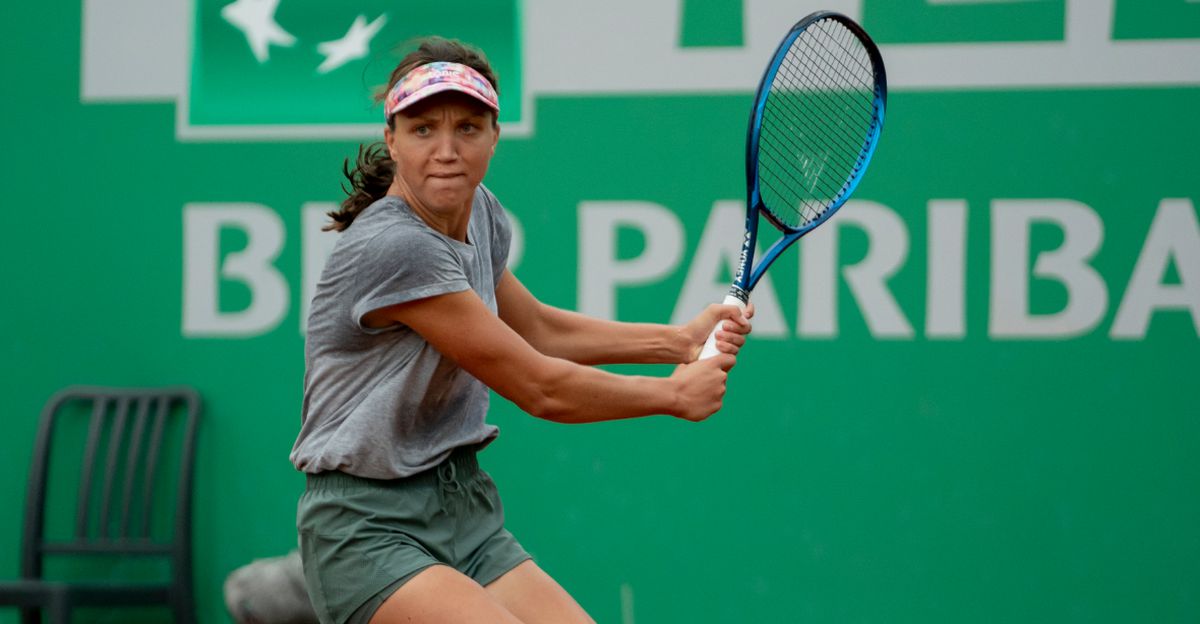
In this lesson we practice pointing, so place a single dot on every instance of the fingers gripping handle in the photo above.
(710, 345)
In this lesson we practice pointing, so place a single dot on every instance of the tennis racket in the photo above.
(814, 125)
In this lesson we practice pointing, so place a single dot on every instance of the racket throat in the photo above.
(743, 279)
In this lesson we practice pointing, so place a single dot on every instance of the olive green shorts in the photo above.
(361, 539)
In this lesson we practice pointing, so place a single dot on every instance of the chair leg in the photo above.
(183, 608)
(58, 611)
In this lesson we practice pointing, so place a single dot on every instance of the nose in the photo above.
(446, 150)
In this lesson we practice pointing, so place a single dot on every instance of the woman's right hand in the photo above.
(700, 386)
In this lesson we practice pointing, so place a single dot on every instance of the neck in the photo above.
(451, 222)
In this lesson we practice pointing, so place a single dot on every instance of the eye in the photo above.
(468, 127)
(422, 130)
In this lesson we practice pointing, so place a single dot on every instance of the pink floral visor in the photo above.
(437, 77)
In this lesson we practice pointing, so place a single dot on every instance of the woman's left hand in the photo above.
(735, 325)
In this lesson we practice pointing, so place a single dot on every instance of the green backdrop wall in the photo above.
(971, 399)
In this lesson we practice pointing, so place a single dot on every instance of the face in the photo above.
(442, 147)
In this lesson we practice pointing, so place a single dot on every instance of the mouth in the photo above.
(446, 176)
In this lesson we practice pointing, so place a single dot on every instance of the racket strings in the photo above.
(805, 78)
(818, 116)
(811, 204)
(798, 112)
(847, 75)
(837, 140)
(814, 132)
(831, 109)
(817, 186)
(837, 106)
(863, 75)
(842, 38)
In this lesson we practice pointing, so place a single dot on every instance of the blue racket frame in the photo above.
(745, 279)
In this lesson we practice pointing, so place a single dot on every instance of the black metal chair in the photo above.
(133, 441)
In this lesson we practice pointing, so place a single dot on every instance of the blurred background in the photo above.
(969, 398)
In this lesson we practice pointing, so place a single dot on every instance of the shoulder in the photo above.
(483, 193)
(487, 200)
(487, 203)
(392, 230)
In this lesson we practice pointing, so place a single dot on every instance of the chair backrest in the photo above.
(134, 439)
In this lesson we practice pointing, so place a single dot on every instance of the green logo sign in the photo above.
(305, 68)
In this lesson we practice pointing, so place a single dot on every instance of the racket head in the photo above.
(814, 126)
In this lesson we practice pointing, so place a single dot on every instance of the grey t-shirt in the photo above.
(383, 403)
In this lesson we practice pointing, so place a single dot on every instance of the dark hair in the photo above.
(373, 169)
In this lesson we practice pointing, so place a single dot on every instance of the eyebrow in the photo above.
(438, 117)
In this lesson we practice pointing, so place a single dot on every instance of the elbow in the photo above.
(537, 384)
(546, 406)
(546, 397)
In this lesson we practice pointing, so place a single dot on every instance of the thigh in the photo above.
(530, 594)
(440, 594)
(357, 538)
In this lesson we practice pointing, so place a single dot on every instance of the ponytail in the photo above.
(369, 181)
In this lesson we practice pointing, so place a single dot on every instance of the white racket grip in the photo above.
(710, 345)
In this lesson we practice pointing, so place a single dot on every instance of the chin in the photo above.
(444, 202)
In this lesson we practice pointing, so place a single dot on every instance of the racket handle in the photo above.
(710, 345)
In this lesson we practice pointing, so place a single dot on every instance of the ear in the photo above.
(388, 133)
(495, 139)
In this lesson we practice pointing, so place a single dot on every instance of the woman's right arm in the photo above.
(462, 328)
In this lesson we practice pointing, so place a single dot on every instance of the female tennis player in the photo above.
(415, 317)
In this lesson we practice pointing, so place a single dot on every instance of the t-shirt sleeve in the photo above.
(401, 265)
(501, 234)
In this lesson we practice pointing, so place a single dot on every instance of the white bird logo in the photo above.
(256, 20)
(354, 45)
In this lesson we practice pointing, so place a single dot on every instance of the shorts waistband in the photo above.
(462, 463)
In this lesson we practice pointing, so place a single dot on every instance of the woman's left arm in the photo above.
(587, 340)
